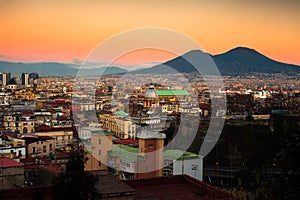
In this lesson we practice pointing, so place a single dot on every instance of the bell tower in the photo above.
(151, 148)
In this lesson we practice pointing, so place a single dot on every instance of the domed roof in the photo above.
(151, 93)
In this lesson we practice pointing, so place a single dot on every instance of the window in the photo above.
(25, 130)
(99, 152)
(99, 163)
(99, 141)
(33, 149)
(150, 145)
(50, 147)
(44, 149)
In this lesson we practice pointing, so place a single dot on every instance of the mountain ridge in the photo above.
(54, 69)
(236, 61)
(245, 60)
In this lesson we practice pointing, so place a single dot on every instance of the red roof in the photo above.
(126, 142)
(175, 187)
(53, 168)
(43, 128)
(27, 113)
(27, 160)
(9, 162)
(62, 155)
(35, 161)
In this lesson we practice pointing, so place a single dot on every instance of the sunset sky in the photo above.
(66, 31)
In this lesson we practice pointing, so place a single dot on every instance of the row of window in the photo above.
(35, 149)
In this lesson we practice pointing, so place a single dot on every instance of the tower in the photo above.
(5, 77)
(151, 148)
(25, 79)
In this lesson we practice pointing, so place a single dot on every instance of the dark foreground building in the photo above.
(175, 187)
(110, 188)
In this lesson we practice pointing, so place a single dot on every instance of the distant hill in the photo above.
(238, 61)
(243, 60)
(54, 69)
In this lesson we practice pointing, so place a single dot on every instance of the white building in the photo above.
(177, 162)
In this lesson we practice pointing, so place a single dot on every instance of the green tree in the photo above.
(75, 183)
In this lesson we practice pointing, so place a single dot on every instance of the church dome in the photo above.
(151, 93)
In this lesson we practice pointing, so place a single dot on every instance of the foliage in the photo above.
(268, 160)
(75, 183)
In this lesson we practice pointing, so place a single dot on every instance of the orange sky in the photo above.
(57, 30)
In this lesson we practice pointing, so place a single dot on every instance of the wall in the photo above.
(11, 176)
(188, 164)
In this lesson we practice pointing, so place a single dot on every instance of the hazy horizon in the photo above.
(67, 31)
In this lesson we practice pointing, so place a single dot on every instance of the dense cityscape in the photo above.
(40, 134)
(149, 100)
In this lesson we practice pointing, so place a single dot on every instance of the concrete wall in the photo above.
(188, 165)
(11, 177)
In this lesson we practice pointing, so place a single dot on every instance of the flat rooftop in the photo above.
(179, 187)
(109, 186)
(179, 155)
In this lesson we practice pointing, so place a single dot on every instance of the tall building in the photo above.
(5, 77)
(25, 79)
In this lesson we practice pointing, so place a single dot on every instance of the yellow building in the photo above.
(118, 124)
(39, 145)
(21, 125)
(12, 148)
(24, 94)
(101, 143)
(62, 138)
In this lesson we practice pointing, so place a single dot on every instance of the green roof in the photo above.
(179, 155)
(87, 148)
(127, 148)
(125, 152)
(102, 133)
(121, 113)
(172, 93)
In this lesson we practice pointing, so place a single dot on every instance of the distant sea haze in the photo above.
(238, 61)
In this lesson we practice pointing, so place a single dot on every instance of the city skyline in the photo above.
(68, 31)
